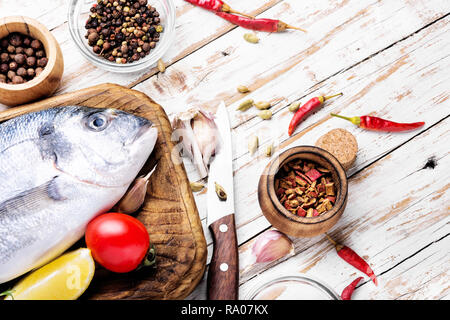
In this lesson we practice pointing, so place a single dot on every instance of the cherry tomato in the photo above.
(118, 242)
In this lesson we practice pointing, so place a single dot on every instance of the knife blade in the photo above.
(223, 272)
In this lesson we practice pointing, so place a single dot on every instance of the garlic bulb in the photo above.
(272, 245)
(199, 136)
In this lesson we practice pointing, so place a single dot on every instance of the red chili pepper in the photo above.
(348, 291)
(378, 124)
(309, 107)
(353, 259)
(216, 6)
(266, 25)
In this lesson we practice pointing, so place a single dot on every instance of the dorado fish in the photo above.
(59, 168)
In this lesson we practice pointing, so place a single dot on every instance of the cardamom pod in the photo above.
(265, 114)
(251, 37)
(262, 105)
(243, 89)
(197, 186)
(253, 144)
(220, 191)
(244, 106)
(161, 66)
(294, 106)
(269, 150)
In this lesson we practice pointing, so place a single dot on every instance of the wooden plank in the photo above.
(390, 225)
(378, 81)
(190, 36)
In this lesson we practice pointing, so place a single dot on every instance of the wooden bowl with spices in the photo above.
(23, 80)
(303, 191)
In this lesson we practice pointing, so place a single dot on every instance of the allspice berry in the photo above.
(13, 66)
(36, 44)
(17, 80)
(93, 38)
(31, 61)
(19, 58)
(29, 52)
(38, 71)
(42, 62)
(22, 72)
(30, 72)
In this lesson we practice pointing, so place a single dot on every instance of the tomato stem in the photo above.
(150, 258)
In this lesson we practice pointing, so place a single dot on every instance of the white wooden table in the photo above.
(390, 58)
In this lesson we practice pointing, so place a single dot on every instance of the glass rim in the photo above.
(257, 289)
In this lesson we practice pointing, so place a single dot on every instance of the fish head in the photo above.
(106, 147)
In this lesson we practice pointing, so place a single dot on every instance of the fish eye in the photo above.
(97, 122)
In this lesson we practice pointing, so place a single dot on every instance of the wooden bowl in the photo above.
(48, 81)
(284, 220)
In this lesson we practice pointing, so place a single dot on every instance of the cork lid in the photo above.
(341, 144)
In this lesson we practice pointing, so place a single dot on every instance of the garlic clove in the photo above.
(272, 245)
(199, 136)
(135, 196)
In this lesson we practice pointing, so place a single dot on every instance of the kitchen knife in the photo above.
(223, 273)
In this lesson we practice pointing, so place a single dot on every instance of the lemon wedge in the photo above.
(65, 278)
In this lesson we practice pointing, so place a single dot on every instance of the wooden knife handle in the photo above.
(223, 273)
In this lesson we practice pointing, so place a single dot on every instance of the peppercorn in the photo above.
(30, 72)
(29, 52)
(40, 54)
(11, 74)
(15, 40)
(13, 66)
(17, 80)
(21, 72)
(36, 44)
(42, 62)
(19, 58)
(27, 41)
(93, 38)
(118, 21)
(97, 49)
(11, 49)
(38, 71)
(19, 50)
(31, 61)
(4, 68)
(4, 57)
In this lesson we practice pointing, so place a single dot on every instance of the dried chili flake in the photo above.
(304, 188)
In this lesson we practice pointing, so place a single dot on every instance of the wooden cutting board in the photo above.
(169, 211)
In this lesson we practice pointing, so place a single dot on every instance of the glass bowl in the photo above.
(293, 288)
(78, 15)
